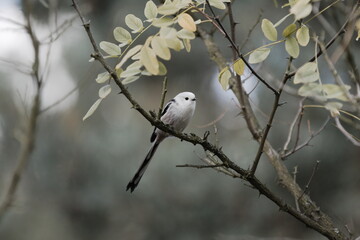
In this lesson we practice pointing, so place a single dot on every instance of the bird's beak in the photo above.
(194, 99)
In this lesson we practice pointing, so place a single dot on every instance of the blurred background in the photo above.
(74, 184)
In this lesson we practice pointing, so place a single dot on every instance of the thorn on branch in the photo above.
(206, 135)
(152, 113)
(282, 103)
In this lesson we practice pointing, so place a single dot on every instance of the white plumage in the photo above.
(177, 113)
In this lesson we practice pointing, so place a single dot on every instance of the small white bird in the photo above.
(177, 113)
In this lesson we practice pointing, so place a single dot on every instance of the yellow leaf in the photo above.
(306, 73)
(185, 34)
(239, 66)
(104, 91)
(269, 30)
(289, 30)
(158, 44)
(224, 77)
(187, 22)
(128, 55)
(301, 9)
(149, 60)
(122, 35)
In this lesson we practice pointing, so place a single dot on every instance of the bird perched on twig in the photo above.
(177, 113)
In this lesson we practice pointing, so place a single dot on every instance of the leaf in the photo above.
(130, 72)
(102, 77)
(134, 23)
(110, 48)
(150, 10)
(174, 43)
(162, 69)
(289, 30)
(224, 77)
(187, 22)
(185, 34)
(301, 9)
(130, 79)
(239, 66)
(311, 90)
(129, 54)
(303, 36)
(167, 32)
(217, 4)
(269, 30)
(92, 109)
(306, 73)
(104, 91)
(160, 48)
(259, 55)
(122, 35)
(163, 22)
(334, 108)
(292, 47)
(187, 44)
(168, 8)
(148, 59)
(335, 91)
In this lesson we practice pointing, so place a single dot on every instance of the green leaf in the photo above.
(149, 60)
(269, 30)
(130, 72)
(92, 109)
(102, 77)
(130, 79)
(290, 29)
(224, 77)
(292, 47)
(110, 48)
(187, 22)
(306, 73)
(303, 36)
(311, 90)
(122, 35)
(259, 55)
(129, 54)
(217, 4)
(104, 91)
(134, 23)
(301, 9)
(185, 34)
(239, 66)
(163, 22)
(162, 69)
(334, 108)
(335, 91)
(169, 8)
(150, 10)
(160, 48)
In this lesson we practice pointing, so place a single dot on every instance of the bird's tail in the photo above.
(140, 172)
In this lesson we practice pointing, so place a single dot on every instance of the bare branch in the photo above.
(346, 133)
(292, 125)
(163, 94)
(306, 189)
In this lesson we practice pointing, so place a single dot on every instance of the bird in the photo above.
(177, 113)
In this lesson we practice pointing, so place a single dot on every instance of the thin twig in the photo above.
(306, 142)
(296, 200)
(292, 125)
(163, 94)
(251, 30)
(201, 166)
(306, 189)
(346, 133)
(28, 141)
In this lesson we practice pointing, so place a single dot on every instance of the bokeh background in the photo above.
(74, 184)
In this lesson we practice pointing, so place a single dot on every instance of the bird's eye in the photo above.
(186, 98)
